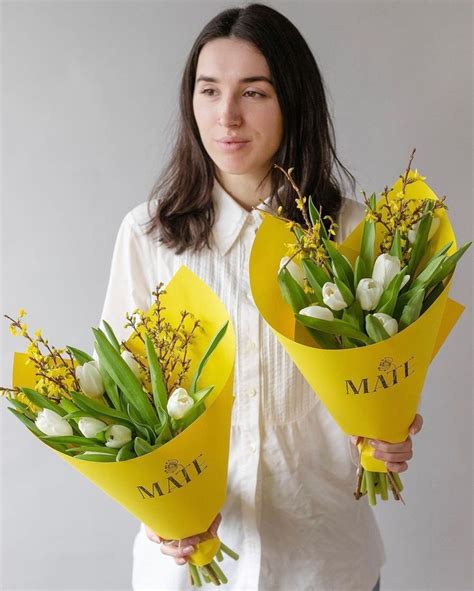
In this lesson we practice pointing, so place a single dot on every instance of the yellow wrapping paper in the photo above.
(371, 391)
(179, 488)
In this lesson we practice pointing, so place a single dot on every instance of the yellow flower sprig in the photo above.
(400, 213)
(55, 375)
(309, 241)
(171, 343)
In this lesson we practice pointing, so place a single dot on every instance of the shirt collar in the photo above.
(230, 218)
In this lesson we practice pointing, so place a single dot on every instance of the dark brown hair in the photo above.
(184, 212)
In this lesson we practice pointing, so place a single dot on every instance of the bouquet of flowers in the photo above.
(362, 320)
(148, 421)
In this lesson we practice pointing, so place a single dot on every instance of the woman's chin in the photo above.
(232, 166)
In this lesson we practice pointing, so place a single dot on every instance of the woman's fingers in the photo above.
(215, 525)
(178, 552)
(397, 467)
(152, 536)
(417, 425)
(386, 447)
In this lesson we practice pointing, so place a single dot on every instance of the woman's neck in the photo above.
(245, 189)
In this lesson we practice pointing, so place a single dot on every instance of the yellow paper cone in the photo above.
(179, 488)
(372, 391)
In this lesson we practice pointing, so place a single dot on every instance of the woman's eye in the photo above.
(254, 93)
(208, 91)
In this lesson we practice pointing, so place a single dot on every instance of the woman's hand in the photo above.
(180, 550)
(395, 455)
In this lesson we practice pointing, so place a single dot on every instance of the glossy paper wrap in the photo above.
(178, 489)
(371, 391)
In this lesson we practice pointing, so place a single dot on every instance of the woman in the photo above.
(251, 96)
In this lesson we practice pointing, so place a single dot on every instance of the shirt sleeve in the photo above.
(130, 285)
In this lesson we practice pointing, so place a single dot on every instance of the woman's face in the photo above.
(234, 100)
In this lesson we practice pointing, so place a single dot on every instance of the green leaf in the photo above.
(99, 410)
(110, 387)
(68, 405)
(96, 448)
(389, 297)
(341, 265)
(158, 384)
(354, 315)
(211, 347)
(334, 327)
(141, 446)
(144, 431)
(90, 457)
(396, 248)
(292, 291)
(316, 218)
(26, 421)
(412, 309)
(367, 245)
(345, 291)
(68, 439)
(80, 356)
(316, 277)
(111, 336)
(23, 409)
(447, 266)
(432, 296)
(375, 329)
(126, 452)
(201, 395)
(360, 271)
(39, 400)
(423, 279)
(124, 378)
(421, 240)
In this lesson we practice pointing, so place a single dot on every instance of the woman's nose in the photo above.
(229, 112)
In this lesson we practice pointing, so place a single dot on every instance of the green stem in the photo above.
(204, 575)
(363, 486)
(398, 482)
(369, 476)
(383, 487)
(218, 572)
(219, 556)
(229, 552)
(195, 575)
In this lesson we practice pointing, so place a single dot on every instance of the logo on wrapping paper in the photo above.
(177, 476)
(389, 374)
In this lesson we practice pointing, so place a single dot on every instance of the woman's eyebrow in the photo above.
(247, 80)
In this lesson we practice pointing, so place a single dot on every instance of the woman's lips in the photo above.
(232, 146)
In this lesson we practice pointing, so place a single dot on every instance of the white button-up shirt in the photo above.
(290, 512)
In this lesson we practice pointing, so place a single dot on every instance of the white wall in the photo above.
(88, 93)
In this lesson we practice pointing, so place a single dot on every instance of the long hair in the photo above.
(184, 212)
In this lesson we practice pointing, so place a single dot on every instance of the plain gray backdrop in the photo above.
(89, 91)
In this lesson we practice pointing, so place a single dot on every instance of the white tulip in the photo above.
(179, 403)
(412, 232)
(368, 293)
(319, 312)
(89, 426)
(294, 270)
(386, 267)
(117, 436)
(50, 423)
(132, 364)
(332, 297)
(390, 324)
(90, 379)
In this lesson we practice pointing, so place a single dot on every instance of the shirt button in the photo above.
(252, 392)
(253, 448)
